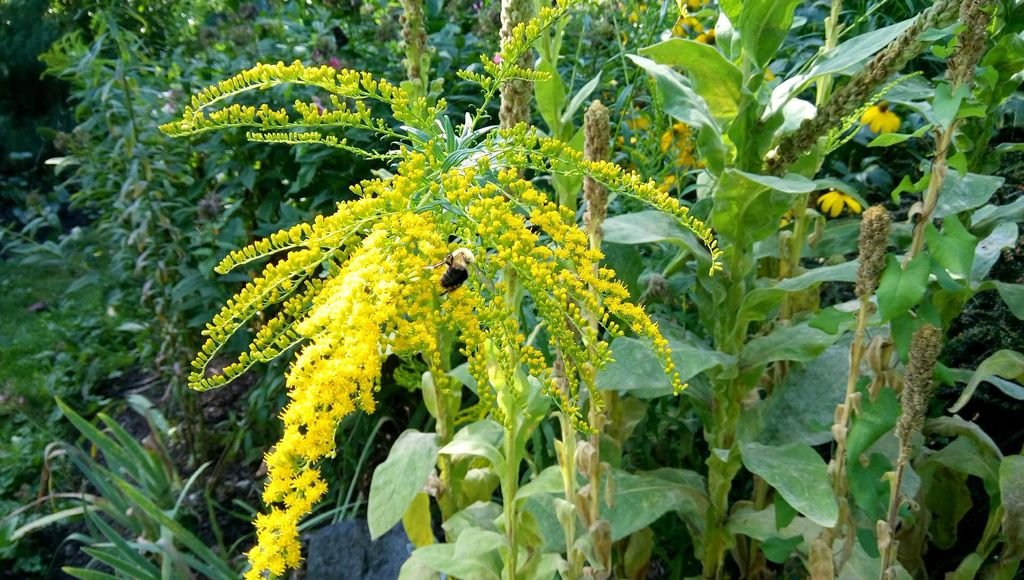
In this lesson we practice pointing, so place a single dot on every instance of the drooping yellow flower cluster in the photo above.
(358, 286)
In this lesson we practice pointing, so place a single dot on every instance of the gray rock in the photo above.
(344, 552)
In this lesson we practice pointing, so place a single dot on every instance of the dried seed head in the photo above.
(874, 236)
(515, 94)
(917, 388)
(972, 42)
(596, 135)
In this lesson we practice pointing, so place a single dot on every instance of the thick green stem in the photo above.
(509, 488)
(568, 467)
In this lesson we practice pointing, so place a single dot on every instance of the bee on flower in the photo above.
(833, 203)
(880, 119)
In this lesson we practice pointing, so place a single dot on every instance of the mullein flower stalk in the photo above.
(859, 89)
(596, 139)
(414, 39)
(961, 74)
(874, 235)
(515, 93)
(917, 389)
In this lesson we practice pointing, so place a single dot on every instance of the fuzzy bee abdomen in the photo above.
(453, 278)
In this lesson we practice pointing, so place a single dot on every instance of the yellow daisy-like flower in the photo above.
(833, 202)
(880, 119)
(707, 37)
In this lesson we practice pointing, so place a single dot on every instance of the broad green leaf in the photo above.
(948, 500)
(679, 100)
(550, 95)
(399, 478)
(946, 103)
(963, 455)
(473, 555)
(637, 371)
(1012, 295)
(578, 99)
(799, 474)
(760, 301)
(875, 419)
(640, 499)
(1011, 488)
(416, 521)
(799, 342)
(890, 139)
(761, 525)
(548, 481)
(748, 206)
(899, 289)
(953, 249)
(842, 59)
(763, 25)
(778, 549)
(988, 216)
(990, 248)
(714, 78)
(649, 226)
(1006, 364)
(962, 192)
(802, 408)
(478, 515)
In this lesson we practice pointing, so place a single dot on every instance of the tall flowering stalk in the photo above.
(356, 286)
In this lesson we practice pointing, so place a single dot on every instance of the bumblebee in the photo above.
(457, 263)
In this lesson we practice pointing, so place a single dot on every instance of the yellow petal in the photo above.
(853, 204)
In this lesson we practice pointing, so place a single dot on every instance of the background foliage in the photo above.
(111, 231)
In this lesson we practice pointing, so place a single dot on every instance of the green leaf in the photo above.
(714, 78)
(948, 500)
(650, 226)
(1007, 364)
(679, 100)
(473, 555)
(842, 59)
(479, 439)
(963, 192)
(799, 342)
(899, 289)
(946, 103)
(637, 371)
(1011, 488)
(580, 96)
(990, 248)
(748, 206)
(760, 301)
(399, 478)
(953, 249)
(550, 95)
(988, 216)
(798, 474)
(802, 408)
(640, 499)
(964, 456)
(890, 139)
(778, 549)
(763, 25)
(1013, 296)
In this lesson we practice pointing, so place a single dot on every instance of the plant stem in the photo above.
(568, 466)
(931, 197)
(509, 488)
(890, 549)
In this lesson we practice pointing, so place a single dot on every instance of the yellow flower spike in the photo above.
(880, 119)
(833, 203)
